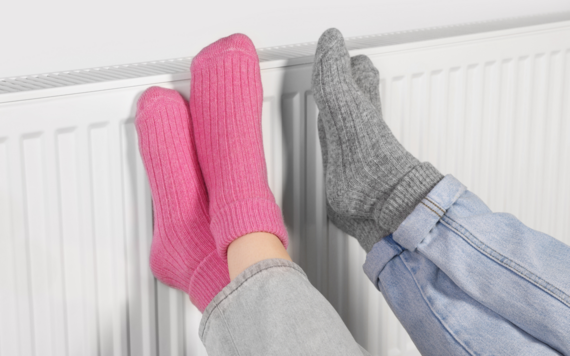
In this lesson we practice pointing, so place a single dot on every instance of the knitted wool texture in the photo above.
(183, 253)
(225, 102)
(369, 174)
(367, 78)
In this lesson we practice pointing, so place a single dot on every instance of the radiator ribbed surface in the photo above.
(492, 108)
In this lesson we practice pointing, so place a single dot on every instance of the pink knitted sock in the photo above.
(183, 253)
(225, 102)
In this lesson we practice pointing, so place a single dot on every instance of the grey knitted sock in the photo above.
(369, 175)
(367, 78)
(366, 231)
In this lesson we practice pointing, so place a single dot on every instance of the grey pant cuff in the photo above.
(272, 309)
(239, 281)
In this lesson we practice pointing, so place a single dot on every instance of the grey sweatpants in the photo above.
(272, 309)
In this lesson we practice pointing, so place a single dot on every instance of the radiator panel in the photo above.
(76, 214)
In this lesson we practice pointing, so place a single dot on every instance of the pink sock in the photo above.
(225, 101)
(183, 253)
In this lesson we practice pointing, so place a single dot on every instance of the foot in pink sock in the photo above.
(225, 102)
(183, 253)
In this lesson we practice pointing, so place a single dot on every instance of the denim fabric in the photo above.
(272, 309)
(466, 281)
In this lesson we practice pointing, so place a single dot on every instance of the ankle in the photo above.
(250, 249)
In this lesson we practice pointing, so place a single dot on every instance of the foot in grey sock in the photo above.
(369, 174)
(366, 231)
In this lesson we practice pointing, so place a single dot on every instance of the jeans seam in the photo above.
(241, 284)
(433, 211)
(505, 261)
(230, 333)
(436, 205)
(433, 312)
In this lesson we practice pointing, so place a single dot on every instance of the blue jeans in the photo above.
(466, 281)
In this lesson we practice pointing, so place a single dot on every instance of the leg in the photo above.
(440, 317)
(252, 248)
(343, 132)
(270, 307)
(518, 273)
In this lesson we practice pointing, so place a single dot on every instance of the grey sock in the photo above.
(369, 175)
(367, 78)
(366, 231)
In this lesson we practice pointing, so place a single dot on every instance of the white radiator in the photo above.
(489, 103)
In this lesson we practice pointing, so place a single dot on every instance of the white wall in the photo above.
(46, 36)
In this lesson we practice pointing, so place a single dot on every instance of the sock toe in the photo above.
(367, 78)
(331, 39)
(361, 64)
(240, 42)
(156, 96)
(234, 44)
(364, 73)
(331, 68)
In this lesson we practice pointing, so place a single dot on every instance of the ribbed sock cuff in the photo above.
(211, 276)
(406, 195)
(244, 217)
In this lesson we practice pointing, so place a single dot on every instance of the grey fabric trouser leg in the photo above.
(272, 309)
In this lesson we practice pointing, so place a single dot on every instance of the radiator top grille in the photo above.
(93, 75)
(42, 85)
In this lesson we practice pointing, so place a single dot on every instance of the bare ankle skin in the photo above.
(252, 248)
